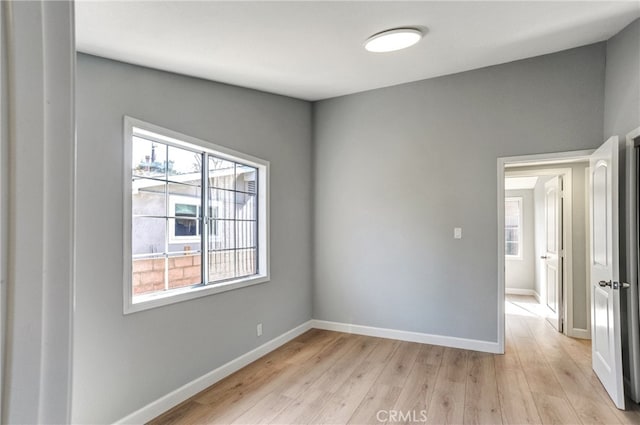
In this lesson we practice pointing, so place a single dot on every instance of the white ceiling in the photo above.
(519, 183)
(313, 49)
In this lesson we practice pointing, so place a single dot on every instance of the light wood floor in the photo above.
(327, 377)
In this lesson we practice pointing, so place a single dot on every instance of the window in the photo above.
(513, 227)
(177, 249)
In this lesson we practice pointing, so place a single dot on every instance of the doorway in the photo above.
(549, 201)
(545, 166)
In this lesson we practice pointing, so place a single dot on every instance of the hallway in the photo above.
(552, 373)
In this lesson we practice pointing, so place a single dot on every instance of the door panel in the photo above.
(605, 292)
(552, 287)
(553, 253)
(600, 202)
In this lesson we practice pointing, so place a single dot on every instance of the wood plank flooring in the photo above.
(325, 377)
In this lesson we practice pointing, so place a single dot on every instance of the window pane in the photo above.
(184, 270)
(221, 174)
(221, 234)
(246, 206)
(148, 275)
(184, 235)
(512, 208)
(184, 227)
(148, 159)
(148, 235)
(221, 265)
(245, 234)
(223, 201)
(511, 235)
(184, 198)
(246, 262)
(184, 166)
(148, 198)
(512, 231)
(246, 178)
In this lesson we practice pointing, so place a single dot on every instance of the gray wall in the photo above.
(396, 169)
(122, 363)
(622, 82)
(519, 272)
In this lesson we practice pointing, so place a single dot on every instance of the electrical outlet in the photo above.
(457, 232)
(259, 329)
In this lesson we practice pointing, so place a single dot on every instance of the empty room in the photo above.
(319, 212)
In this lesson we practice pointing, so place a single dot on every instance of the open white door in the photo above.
(553, 251)
(605, 285)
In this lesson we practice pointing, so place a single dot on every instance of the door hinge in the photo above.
(618, 285)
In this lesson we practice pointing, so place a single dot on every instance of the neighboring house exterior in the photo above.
(168, 218)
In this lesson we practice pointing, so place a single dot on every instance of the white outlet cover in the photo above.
(457, 232)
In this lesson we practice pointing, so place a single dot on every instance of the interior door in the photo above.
(605, 287)
(553, 251)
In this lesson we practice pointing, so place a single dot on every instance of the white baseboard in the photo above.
(447, 341)
(537, 297)
(161, 405)
(518, 291)
(579, 333)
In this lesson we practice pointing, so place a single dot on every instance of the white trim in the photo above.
(519, 291)
(556, 158)
(501, 258)
(422, 338)
(172, 296)
(587, 252)
(522, 160)
(4, 206)
(174, 138)
(536, 296)
(40, 102)
(164, 403)
(580, 333)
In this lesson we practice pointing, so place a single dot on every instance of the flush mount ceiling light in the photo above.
(393, 39)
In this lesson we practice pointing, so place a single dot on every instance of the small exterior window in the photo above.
(513, 227)
(174, 248)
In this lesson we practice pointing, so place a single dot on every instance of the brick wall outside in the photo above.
(184, 270)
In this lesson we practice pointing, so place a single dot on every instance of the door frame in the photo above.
(557, 158)
(40, 244)
(632, 383)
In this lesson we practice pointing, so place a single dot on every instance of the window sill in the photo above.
(146, 302)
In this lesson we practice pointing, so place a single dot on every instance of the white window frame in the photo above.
(131, 303)
(519, 200)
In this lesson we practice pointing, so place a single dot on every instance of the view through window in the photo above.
(513, 226)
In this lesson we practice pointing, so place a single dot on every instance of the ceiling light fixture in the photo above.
(393, 39)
